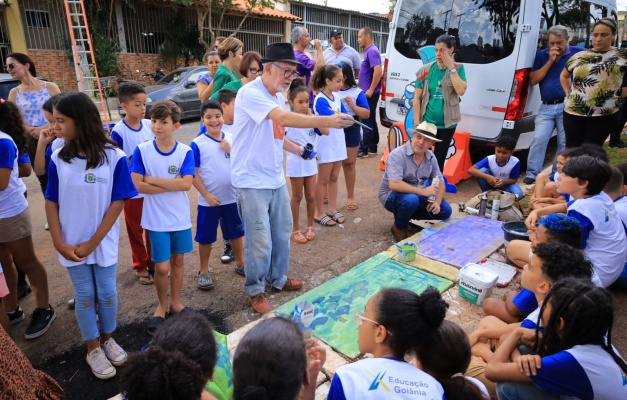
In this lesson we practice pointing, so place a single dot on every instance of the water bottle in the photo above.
(435, 182)
(496, 205)
(483, 205)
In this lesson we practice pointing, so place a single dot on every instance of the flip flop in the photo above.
(145, 279)
(336, 217)
(325, 221)
(311, 234)
(298, 237)
(352, 205)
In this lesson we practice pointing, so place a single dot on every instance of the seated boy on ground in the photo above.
(549, 263)
(552, 228)
(501, 170)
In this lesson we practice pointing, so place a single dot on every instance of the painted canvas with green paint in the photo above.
(337, 300)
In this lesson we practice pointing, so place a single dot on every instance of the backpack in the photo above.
(509, 209)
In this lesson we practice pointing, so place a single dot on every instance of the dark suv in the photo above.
(6, 84)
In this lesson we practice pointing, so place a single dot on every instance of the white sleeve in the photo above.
(254, 103)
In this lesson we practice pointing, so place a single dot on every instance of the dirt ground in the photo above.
(335, 250)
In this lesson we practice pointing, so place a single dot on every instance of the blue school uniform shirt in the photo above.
(128, 138)
(22, 158)
(526, 301)
(603, 236)
(511, 169)
(84, 196)
(56, 144)
(214, 168)
(531, 322)
(168, 211)
(12, 200)
(584, 372)
(383, 378)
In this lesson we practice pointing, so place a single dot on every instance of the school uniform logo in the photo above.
(378, 381)
(312, 132)
(90, 178)
(173, 170)
(227, 155)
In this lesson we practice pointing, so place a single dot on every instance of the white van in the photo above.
(496, 41)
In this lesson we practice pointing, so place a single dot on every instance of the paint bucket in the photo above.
(514, 230)
(476, 283)
(407, 251)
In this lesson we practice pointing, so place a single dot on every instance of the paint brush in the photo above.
(357, 122)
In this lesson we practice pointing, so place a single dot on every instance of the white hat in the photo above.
(427, 130)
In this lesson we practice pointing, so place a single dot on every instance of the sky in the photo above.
(622, 5)
(365, 6)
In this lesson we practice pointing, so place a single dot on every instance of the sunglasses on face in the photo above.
(11, 66)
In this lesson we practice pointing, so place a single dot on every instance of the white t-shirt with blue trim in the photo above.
(511, 169)
(584, 372)
(358, 96)
(621, 208)
(257, 151)
(128, 138)
(383, 378)
(214, 168)
(331, 147)
(295, 165)
(168, 211)
(84, 196)
(12, 200)
(605, 242)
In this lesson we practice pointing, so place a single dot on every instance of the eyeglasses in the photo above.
(360, 318)
(288, 74)
(255, 71)
(11, 66)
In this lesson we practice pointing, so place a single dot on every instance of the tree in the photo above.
(208, 11)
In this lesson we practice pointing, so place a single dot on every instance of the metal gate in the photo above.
(5, 45)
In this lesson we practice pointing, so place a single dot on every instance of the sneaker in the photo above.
(227, 256)
(204, 281)
(362, 154)
(16, 316)
(71, 304)
(23, 291)
(529, 181)
(618, 145)
(239, 270)
(113, 351)
(372, 152)
(40, 322)
(100, 364)
(260, 303)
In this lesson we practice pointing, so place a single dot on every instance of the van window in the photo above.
(485, 30)
(578, 17)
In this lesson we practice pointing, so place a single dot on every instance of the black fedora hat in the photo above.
(279, 52)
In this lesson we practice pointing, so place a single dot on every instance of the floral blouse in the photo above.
(597, 79)
(31, 105)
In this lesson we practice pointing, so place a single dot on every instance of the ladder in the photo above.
(82, 51)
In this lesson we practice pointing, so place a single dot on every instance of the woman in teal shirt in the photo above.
(436, 98)
(230, 52)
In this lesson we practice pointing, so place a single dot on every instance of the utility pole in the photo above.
(459, 20)
(446, 13)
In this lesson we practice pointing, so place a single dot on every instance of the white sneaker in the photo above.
(114, 352)
(46, 227)
(100, 365)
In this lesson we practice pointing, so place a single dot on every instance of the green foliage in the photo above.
(106, 49)
(181, 40)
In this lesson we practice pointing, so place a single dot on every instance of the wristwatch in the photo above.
(452, 71)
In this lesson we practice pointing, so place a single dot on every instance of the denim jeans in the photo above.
(91, 282)
(485, 186)
(549, 118)
(522, 391)
(371, 137)
(406, 206)
(267, 216)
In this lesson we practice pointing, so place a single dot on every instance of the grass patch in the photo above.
(616, 156)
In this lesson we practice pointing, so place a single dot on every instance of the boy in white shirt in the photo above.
(130, 132)
(616, 188)
(216, 200)
(501, 170)
(163, 169)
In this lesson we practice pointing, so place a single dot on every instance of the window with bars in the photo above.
(37, 19)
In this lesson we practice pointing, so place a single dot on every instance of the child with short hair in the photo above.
(163, 169)
(584, 178)
(545, 191)
(88, 182)
(575, 356)
(501, 170)
(331, 150)
(302, 173)
(216, 194)
(130, 132)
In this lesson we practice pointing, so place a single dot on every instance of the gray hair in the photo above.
(558, 30)
(297, 33)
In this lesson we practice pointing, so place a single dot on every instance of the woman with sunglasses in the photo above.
(30, 95)
(394, 322)
(250, 68)
(592, 81)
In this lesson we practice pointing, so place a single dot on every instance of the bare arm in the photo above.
(5, 176)
(204, 91)
(111, 216)
(143, 187)
(458, 84)
(66, 250)
(319, 53)
(24, 170)
(39, 163)
(535, 215)
(286, 118)
(499, 367)
(292, 147)
(178, 184)
(495, 332)
(417, 104)
(538, 75)
(565, 80)
(476, 173)
(211, 199)
(377, 72)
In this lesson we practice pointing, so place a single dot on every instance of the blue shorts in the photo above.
(352, 134)
(526, 301)
(207, 223)
(164, 244)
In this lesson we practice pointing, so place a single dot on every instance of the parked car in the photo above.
(178, 86)
(6, 84)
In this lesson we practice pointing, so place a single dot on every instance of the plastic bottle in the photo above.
(483, 205)
(496, 206)
(435, 182)
(471, 211)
